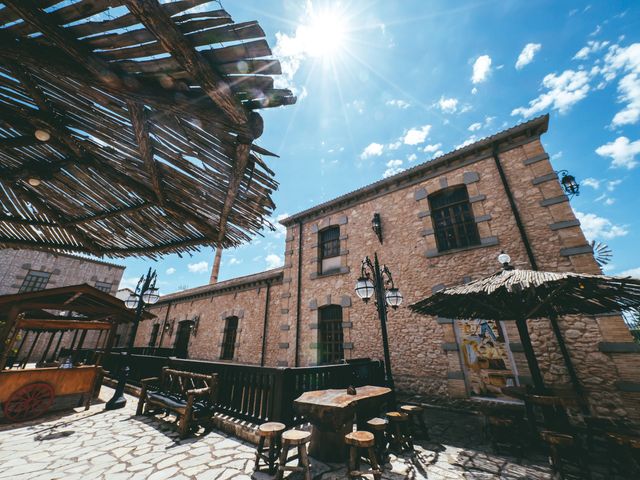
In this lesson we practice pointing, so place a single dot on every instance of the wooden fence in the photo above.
(257, 394)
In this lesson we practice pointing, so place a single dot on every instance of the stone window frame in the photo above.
(343, 301)
(316, 229)
(486, 240)
(334, 231)
(35, 278)
(471, 236)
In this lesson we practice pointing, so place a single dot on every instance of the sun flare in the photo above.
(325, 34)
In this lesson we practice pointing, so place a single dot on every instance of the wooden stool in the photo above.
(271, 431)
(416, 422)
(398, 432)
(295, 438)
(625, 454)
(564, 448)
(378, 427)
(361, 440)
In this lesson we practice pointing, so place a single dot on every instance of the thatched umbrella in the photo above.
(521, 295)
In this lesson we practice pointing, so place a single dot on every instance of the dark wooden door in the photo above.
(181, 346)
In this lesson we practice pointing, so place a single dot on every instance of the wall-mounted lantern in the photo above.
(194, 327)
(569, 184)
(376, 226)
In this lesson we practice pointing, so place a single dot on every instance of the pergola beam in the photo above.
(156, 20)
(108, 214)
(145, 147)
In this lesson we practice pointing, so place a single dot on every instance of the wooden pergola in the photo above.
(127, 127)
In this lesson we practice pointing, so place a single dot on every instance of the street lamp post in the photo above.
(146, 294)
(378, 281)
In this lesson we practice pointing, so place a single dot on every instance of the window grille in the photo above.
(331, 344)
(229, 338)
(104, 287)
(35, 281)
(453, 221)
(329, 242)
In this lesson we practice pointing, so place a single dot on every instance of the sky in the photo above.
(384, 86)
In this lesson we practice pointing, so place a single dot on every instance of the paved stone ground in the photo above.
(118, 445)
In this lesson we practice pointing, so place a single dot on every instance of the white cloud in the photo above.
(372, 150)
(468, 141)
(170, 271)
(591, 47)
(200, 267)
(612, 184)
(395, 145)
(622, 151)
(563, 91)
(475, 126)
(432, 148)
(591, 182)
(398, 103)
(393, 167)
(280, 230)
(595, 227)
(417, 135)
(412, 158)
(448, 105)
(474, 90)
(481, 69)
(234, 261)
(632, 272)
(129, 282)
(526, 56)
(273, 261)
(625, 59)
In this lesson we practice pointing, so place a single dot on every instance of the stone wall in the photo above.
(65, 270)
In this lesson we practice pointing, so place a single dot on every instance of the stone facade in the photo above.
(518, 206)
(64, 269)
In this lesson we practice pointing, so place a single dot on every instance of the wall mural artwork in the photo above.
(486, 359)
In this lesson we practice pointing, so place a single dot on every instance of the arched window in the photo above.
(453, 222)
(229, 338)
(331, 339)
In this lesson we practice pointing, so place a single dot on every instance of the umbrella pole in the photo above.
(567, 360)
(532, 361)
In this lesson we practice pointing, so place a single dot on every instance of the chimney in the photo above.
(216, 266)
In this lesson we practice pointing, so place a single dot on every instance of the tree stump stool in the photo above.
(565, 451)
(271, 432)
(378, 426)
(357, 441)
(398, 433)
(416, 421)
(290, 439)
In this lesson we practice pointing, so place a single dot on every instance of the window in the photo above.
(329, 249)
(453, 220)
(331, 345)
(154, 334)
(104, 287)
(229, 338)
(34, 281)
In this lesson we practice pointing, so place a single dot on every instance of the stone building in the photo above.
(31, 270)
(443, 222)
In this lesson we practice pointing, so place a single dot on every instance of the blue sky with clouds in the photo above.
(383, 86)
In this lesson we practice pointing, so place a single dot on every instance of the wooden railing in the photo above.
(257, 394)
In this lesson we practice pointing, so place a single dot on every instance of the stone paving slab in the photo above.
(118, 445)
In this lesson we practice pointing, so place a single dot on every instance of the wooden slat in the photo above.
(54, 324)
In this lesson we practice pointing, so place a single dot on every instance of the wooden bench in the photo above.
(191, 396)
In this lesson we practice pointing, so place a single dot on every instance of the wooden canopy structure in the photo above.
(127, 127)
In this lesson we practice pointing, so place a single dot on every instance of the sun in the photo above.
(325, 33)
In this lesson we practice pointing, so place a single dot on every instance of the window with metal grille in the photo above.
(154, 334)
(35, 281)
(331, 344)
(329, 242)
(104, 287)
(229, 338)
(453, 221)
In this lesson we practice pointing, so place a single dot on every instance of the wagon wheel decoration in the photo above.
(29, 402)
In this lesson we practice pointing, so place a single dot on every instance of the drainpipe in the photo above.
(164, 325)
(514, 209)
(264, 325)
(299, 293)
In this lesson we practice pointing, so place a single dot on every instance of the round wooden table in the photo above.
(332, 414)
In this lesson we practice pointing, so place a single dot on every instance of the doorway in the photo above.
(181, 345)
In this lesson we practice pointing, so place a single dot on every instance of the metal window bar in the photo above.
(330, 242)
(34, 281)
(453, 220)
(331, 345)
(229, 338)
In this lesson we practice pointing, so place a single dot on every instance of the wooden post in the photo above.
(532, 361)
